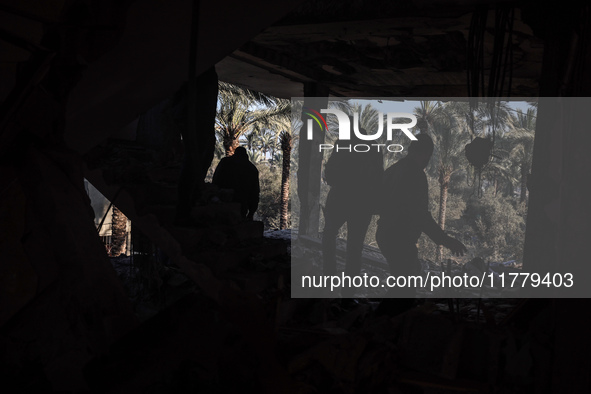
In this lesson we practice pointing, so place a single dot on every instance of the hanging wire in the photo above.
(501, 68)
(475, 55)
(508, 63)
(583, 33)
(480, 193)
(476, 186)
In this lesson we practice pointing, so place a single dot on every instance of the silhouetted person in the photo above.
(239, 174)
(404, 215)
(199, 95)
(354, 179)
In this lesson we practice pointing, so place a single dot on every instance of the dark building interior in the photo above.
(78, 73)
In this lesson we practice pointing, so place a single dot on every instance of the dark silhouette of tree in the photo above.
(241, 110)
(285, 139)
(118, 232)
(449, 132)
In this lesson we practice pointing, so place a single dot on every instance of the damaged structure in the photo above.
(78, 74)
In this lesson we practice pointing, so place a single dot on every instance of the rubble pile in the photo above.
(315, 345)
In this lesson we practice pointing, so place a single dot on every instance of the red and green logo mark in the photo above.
(317, 117)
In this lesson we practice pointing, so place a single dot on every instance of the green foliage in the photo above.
(456, 205)
(241, 112)
(487, 216)
(496, 226)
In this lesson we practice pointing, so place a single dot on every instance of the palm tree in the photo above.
(254, 156)
(449, 133)
(501, 171)
(497, 117)
(426, 114)
(523, 126)
(267, 142)
(251, 139)
(241, 110)
(368, 117)
(118, 232)
(286, 141)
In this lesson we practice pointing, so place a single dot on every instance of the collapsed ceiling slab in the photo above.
(417, 51)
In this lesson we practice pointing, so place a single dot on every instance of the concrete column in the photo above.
(310, 163)
(559, 217)
(559, 214)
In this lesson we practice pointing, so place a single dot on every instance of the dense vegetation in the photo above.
(483, 207)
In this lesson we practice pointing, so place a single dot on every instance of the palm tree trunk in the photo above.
(522, 194)
(286, 145)
(444, 177)
(230, 144)
(118, 232)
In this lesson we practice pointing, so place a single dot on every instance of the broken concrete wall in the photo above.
(65, 303)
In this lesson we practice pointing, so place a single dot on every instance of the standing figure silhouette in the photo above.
(354, 179)
(240, 175)
(404, 215)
